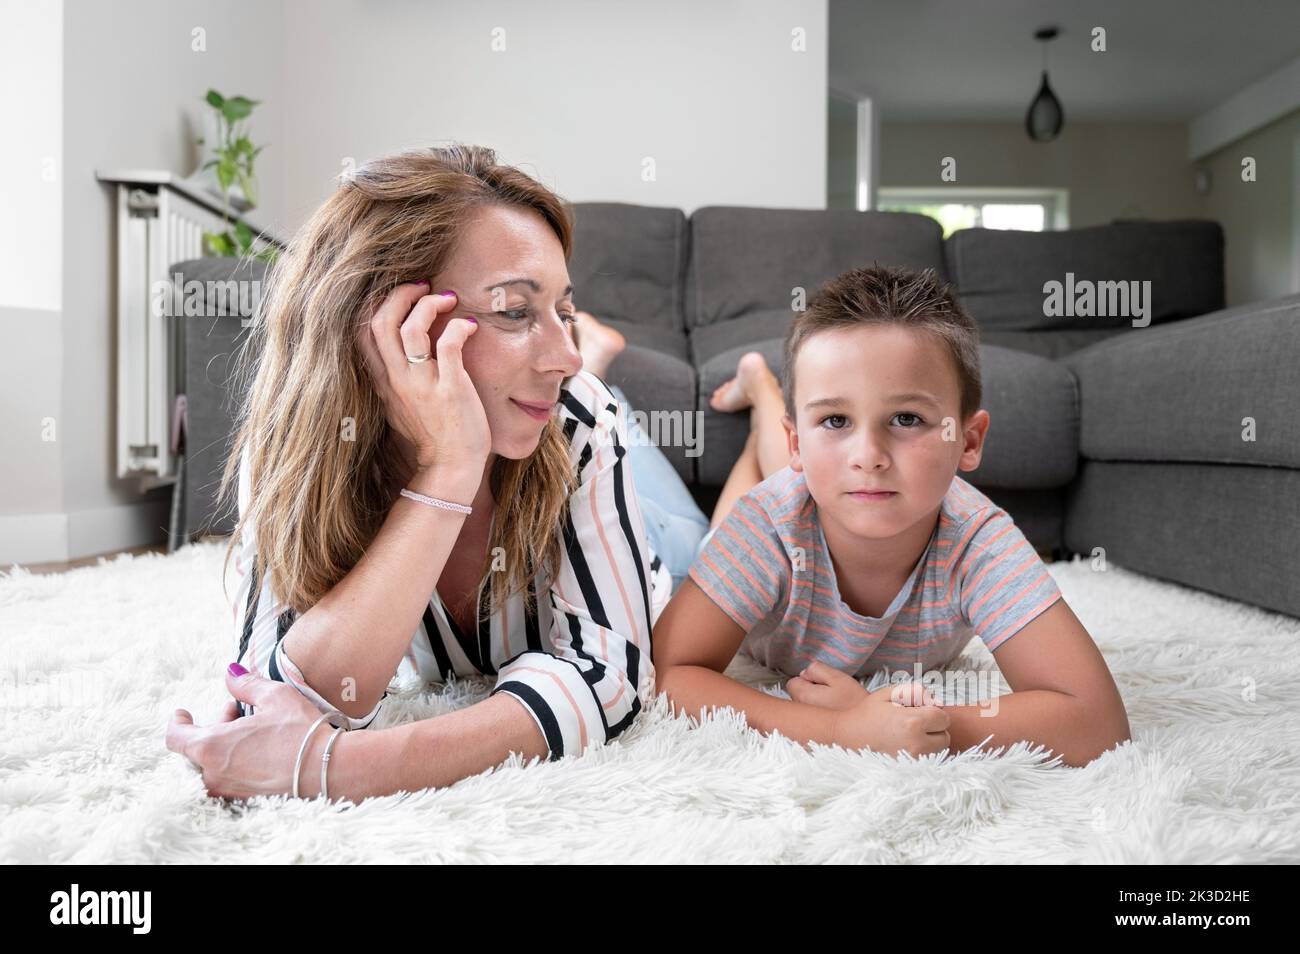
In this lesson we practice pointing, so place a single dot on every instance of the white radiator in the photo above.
(160, 221)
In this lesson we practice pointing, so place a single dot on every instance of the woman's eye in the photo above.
(834, 417)
(519, 314)
(912, 417)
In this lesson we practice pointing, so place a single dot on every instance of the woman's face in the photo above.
(508, 271)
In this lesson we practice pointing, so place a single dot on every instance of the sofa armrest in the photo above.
(1190, 391)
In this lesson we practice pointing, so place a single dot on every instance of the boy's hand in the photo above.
(894, 719)
(825, 686)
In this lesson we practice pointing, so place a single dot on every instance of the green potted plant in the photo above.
(232, 162)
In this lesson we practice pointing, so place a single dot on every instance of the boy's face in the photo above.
(879, 409)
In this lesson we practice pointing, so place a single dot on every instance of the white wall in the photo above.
(1261, 219)
(1128, 170)
(582, 93)
(132, 87)
(31, 232)
(133, 97)
(31, 89)
(1112, 170)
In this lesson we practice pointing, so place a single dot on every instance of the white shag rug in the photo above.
(93, 661)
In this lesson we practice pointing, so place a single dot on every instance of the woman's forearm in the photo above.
(348, 645)
(427, 754)
(1063, 723)
(693, 689)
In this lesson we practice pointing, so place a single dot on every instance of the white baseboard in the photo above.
(28, 538)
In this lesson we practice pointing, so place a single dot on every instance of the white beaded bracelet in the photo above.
(435, 502)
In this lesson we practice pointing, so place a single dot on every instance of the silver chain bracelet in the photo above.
(325, 763)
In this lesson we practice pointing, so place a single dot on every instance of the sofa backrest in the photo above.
(629, 262)
(1000, 274)
(651, 266)
(744, 261)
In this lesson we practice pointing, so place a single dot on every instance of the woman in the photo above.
(368, 438)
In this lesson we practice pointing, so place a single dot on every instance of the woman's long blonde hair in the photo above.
(324, 465)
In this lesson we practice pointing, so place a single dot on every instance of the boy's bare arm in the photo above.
(1062, 694)
(1053, 719)
(696, 689)
(692, 644)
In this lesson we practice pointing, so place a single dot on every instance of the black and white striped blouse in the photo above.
(580, 663)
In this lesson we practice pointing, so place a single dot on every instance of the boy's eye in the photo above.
(916, 419)
(834, 417)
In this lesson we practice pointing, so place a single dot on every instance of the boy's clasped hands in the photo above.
(902, 717)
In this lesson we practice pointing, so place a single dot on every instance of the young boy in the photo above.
(868, 555)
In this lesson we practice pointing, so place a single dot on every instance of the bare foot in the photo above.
(738, 393)
(598, 344)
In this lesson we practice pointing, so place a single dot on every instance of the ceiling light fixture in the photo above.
(1045, 118)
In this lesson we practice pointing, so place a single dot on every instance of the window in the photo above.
(1030, 210)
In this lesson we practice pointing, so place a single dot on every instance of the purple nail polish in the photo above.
(471, 318)
(448, 294)
(237, 670)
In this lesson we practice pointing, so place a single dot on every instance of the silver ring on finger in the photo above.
(419, 358)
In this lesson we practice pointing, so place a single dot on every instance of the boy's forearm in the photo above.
(695, 689)
(1063, 723)
(430, 753)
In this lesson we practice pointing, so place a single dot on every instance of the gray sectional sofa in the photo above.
(1103, 435)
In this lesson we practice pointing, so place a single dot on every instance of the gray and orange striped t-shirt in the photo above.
(767, 567)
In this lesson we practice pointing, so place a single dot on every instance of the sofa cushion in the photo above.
(669, 341)
(629, 262)
(1181, 392)
(662, 388)
(1033, 436)
(1033, 418)
(1000, 274)
(746, 260)
(1052, 344)
(709, 341)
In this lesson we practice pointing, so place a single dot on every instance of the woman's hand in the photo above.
(240, 758)
(432, 405)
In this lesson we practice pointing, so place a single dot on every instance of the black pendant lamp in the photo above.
(1045, 118)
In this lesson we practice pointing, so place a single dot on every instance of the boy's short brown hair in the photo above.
(890, 295)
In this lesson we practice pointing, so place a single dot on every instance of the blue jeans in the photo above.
(675, 525)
